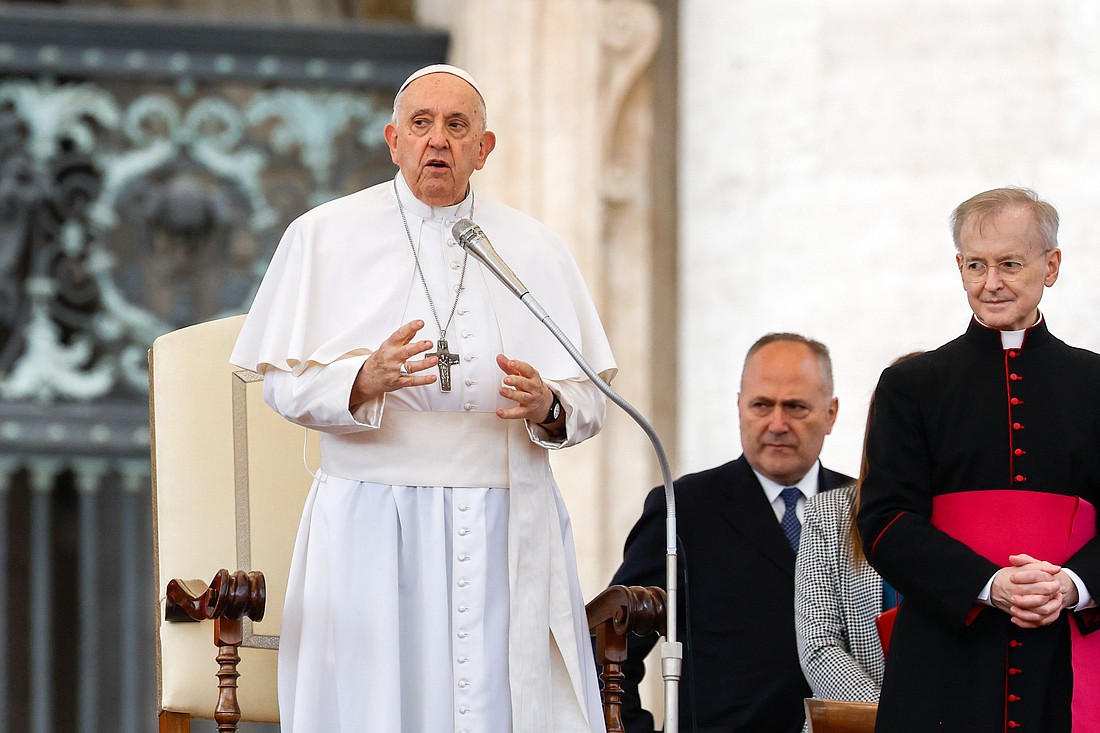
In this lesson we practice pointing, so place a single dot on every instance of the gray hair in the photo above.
(985, 205)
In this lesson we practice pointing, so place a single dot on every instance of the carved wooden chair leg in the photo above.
(228, 599)
(228, 636)
(613, 614)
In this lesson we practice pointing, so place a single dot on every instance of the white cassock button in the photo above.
(463, 660)
(471, 382)
(463, 684)
(455, 265)
(462, 583)
(463, 609)
(451, 242)
(463, 311)
(462, 710)
(463, 634)
(469, 407)
(470, 357)
(463, 532)
(463, 557)
(463, 507)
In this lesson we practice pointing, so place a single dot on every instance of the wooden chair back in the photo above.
(837, 716)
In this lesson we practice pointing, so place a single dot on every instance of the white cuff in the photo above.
(1084, 598)
(983, 597)
(317, 398)
(585, 408)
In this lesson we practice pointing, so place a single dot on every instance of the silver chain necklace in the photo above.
(447, 359)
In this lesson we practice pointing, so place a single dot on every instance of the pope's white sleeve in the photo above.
(585, 408)
(317, 398)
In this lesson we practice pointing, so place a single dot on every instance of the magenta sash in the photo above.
(1051, 527)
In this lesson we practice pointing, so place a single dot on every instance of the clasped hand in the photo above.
(1032, 591)
(393, 366)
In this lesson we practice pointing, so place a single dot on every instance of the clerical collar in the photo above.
(988, 337)
(432, 213)
(808, 483)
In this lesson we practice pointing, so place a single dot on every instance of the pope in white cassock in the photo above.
(433, 585)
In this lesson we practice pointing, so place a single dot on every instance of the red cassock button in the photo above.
(1013, 698)
(1015, 377)
(1013, 724)
(1017, 426)
(1013, 354)
(1019, 451)
(1020, 479)
(1016, 401)
(1015, 643)
(1014, 670)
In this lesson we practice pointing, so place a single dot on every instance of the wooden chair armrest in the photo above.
(617, 611)
(840, 716)
(228, 599)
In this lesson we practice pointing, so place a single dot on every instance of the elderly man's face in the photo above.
(438, 140)
(786, 411)
(1006, 245)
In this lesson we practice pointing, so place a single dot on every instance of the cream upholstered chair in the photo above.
(229, 482)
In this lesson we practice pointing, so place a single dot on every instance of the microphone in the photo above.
(474, 241)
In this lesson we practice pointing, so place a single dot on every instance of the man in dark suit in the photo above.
(737, 529)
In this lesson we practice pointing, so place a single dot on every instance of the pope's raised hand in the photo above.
(391, 366)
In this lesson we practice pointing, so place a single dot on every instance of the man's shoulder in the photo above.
(365, 202)
(926, 365)
(1085, 356)
(735, 471)
(831, 479)
(497, 213)
(497, 209)
(692, 488)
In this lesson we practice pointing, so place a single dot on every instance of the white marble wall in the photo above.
(823, 146)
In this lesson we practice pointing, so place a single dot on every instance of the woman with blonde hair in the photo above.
(837, 596)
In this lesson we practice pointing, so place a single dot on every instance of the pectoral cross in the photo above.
(446, 361)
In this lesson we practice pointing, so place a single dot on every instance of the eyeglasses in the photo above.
(1008, 270)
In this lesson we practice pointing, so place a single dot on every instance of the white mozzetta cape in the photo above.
(339, 281)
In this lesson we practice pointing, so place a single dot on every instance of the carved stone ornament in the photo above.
(148, 166)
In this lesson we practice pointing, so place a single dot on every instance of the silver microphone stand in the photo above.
(474, 241)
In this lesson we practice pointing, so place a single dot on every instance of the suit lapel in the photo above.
(746, 507)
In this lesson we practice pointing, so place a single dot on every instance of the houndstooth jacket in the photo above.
(835, 605)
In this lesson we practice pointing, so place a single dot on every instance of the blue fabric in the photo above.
(890, 597)
(790, 524)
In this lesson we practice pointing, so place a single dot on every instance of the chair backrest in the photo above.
(229, 482)
(840, 716)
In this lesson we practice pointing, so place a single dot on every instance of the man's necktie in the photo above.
(790, 524)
